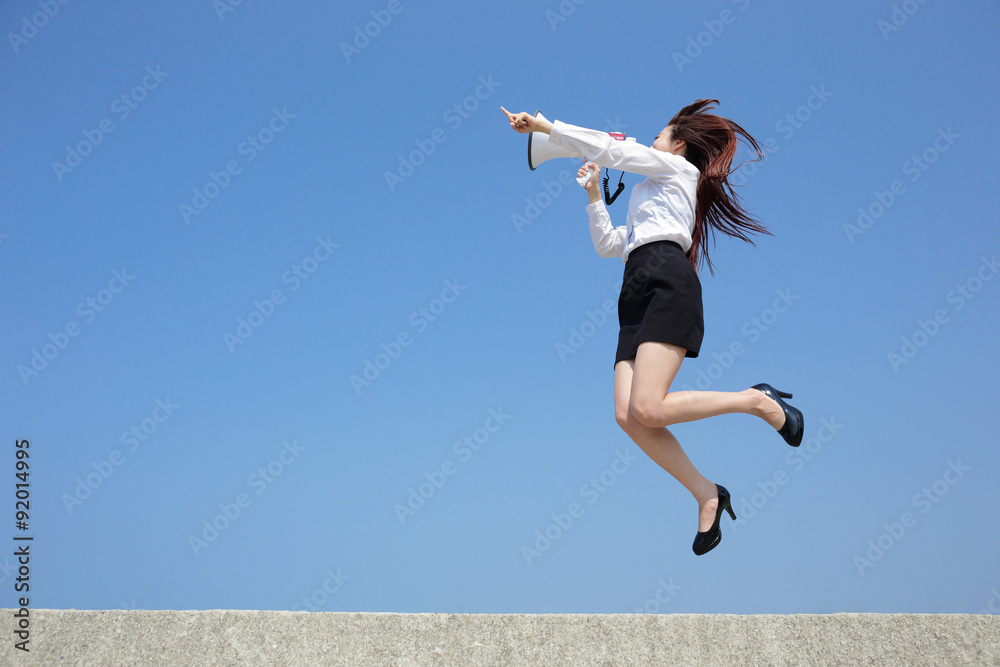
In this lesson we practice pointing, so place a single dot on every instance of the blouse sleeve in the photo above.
(608, 241)
(606, 151)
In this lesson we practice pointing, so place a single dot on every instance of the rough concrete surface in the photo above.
(229, 637)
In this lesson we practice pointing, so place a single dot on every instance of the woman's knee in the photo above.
(622, 416)
(647, 410)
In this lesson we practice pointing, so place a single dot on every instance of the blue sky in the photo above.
(215, 223)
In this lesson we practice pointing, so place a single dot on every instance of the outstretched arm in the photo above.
(602, 149)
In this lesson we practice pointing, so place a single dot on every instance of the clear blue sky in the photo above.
(189, 291)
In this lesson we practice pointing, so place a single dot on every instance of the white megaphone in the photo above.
(540, 150)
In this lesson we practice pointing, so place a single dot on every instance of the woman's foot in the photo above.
(767, 409)
(788, 421)
(707, 511)
(708, 539)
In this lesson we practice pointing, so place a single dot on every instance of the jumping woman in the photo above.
(685, 197)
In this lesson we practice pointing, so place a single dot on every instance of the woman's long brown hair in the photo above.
(711, 146)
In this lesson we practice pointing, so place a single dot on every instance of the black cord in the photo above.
(609, 198)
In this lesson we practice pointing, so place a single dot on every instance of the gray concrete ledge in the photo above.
(226, 637)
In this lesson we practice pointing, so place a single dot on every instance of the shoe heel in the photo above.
(784, 394)
(727, 504)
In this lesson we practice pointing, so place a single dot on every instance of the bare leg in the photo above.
(663, 448)
(644, 406)
(653, 404)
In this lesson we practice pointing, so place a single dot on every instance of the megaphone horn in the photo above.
(541, 150)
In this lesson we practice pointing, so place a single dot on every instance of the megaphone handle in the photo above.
(582, 180)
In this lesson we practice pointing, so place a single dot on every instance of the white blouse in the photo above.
(661, 208)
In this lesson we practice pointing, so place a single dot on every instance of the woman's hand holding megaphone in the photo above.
(524, 122)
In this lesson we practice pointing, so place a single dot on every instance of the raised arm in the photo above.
(602, 149)
(609, 241)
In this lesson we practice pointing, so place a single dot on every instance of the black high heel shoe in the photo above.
(705, 542)
(794, 424)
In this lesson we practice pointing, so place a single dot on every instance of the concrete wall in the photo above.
(221, 637)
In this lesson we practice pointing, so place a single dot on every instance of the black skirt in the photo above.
(660, 300)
